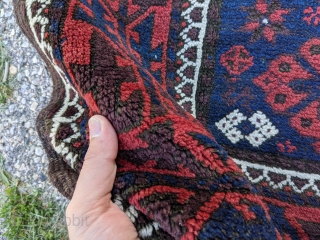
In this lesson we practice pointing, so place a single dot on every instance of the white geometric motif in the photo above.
(288, 175)
(189, 43)
(263, 127)
(37, 20)
(132, 213)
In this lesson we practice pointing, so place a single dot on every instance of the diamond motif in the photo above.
(228, 126)
(263, 128)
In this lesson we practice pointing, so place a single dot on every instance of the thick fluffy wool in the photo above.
(170, 75)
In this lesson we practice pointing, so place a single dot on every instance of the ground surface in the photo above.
(19, 142)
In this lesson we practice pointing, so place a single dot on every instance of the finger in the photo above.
(99, 169)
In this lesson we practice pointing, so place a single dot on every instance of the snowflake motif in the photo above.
(265, 20)
(313, 15)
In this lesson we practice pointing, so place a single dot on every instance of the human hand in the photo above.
(98, 216)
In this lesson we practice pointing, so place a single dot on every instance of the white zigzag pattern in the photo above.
(289, 174)
(188, 43)
(58, 119)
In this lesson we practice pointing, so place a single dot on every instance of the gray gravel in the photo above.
(19, 142)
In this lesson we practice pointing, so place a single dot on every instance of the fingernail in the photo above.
(95, 128)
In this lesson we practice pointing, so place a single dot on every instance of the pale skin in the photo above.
(92, 197)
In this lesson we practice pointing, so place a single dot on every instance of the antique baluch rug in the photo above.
(177, 78)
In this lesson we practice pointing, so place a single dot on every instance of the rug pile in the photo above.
(216, 105)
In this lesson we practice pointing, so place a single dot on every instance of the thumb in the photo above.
(99, 169)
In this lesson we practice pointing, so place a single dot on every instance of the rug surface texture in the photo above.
(216, 105)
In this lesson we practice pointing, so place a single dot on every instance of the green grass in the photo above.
(24, 212)
(26, 215)
(5, 78)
